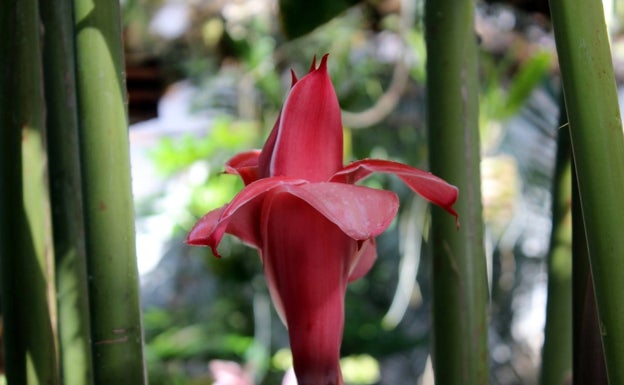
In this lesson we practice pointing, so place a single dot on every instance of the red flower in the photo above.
(314, 230)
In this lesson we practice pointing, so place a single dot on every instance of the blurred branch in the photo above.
(557, 349)
(400, 76)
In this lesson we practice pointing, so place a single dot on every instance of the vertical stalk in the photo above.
(65, 192)
(557, 349)
(25, 240)
(460, 295)
(109, 215)
(588, 356)
(598, 148)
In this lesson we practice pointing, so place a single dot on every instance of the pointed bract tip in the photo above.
(313, 65)
(323, 65)
(293, 78)
(193, 240)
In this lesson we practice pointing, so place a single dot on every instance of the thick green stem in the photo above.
(557, 350)
(588, 356)
(598, 147)
(460, 295)
(65, 192)
(28, 310)
(109, 215)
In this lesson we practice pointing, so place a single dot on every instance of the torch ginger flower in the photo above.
(313, 228)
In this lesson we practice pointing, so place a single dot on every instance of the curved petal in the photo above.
(241, 217)
(264, 161)
(199, 234)
(363, 260)
(361, 212)
(306, 265)
(308, 143)
(245, 165)
(427, 185)
(203, 233)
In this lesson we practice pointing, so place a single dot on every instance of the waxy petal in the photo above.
(240, 217)
(307, 274)
(200, 233)
(203, 233)
(264, 161)
(245, 165)
(427, 185)
(308, 144)
(360, 212)
(363, 260)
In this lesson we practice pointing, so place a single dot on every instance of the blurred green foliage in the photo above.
(172, 155)
(240, 67)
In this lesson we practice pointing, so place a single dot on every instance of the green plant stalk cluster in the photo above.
(108, 207)
(66, 193)
(28, 311)
(38, 92)
(598, 148)
(460, 295)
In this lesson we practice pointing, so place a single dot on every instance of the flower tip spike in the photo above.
(323, 65)
(313, 66)
(293, 78)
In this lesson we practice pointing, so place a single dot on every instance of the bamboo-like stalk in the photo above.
(109, 216)
(25, 240)
(460, 295)
(598, 147)
(587, 356)
(557, 349)
(65, 192)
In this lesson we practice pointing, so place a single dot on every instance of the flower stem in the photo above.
(65, 192)
(598, 147)
(109, 215)
(460, 354)
(28, 310)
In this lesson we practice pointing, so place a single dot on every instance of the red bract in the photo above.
(313, 228)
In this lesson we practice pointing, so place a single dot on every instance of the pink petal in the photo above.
(241, 217)
(244, 165)
(203, 233)
(427, 185)
(360, 212)
(363, 260)
(200, 233)
(264, 161)
(308, 143)
(306, 265)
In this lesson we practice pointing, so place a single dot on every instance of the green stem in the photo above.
(588, 356)
(557, 350)
(25, 239)
(598, 147)
(65, 192)
(460, 295)
(109, 215)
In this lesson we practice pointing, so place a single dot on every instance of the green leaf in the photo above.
(300, 17)
(527, 78)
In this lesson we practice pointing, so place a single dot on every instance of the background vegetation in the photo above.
(206, 80)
